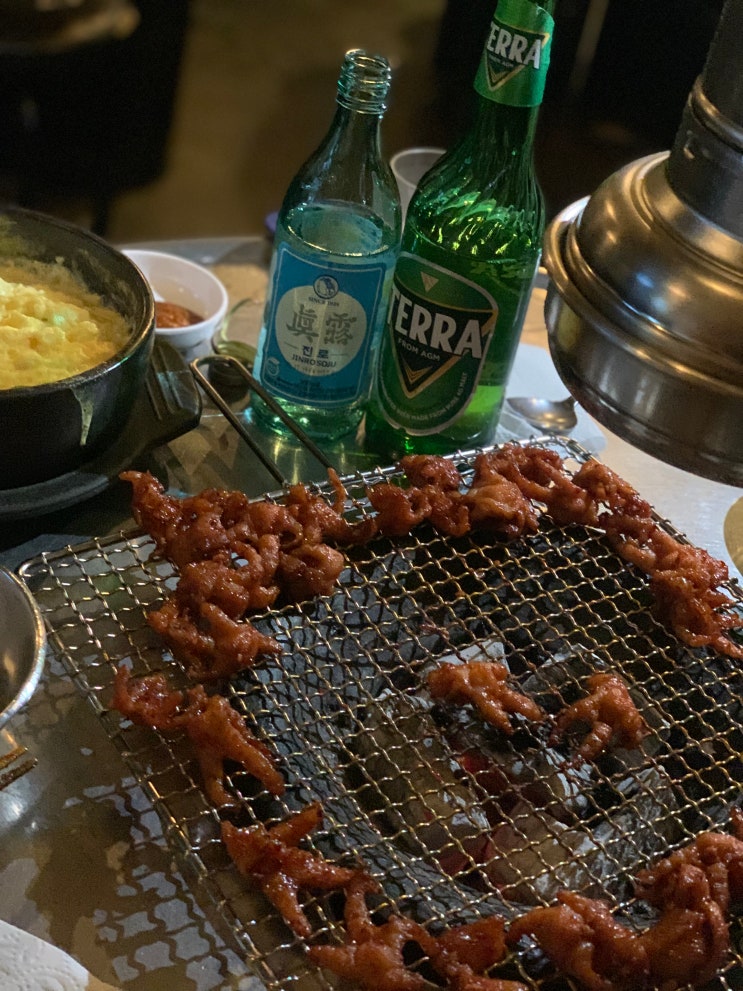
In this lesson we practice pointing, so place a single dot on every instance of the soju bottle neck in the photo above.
(364, 82)
(363, 86)
(352, 133)
(348, 165)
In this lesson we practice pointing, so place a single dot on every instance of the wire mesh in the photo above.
(455, 819)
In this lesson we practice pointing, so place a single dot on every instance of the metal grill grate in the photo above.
(344, 707)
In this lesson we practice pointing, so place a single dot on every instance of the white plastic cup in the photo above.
(408, 167)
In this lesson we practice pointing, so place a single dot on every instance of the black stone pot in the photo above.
(47, 430)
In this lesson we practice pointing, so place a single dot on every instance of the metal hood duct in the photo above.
(645, 303)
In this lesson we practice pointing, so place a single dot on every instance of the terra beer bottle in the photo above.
(337, 238)
(469, 254)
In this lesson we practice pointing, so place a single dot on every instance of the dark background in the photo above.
(113, 124)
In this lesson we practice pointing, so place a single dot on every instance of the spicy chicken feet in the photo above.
(281, 868)
(372, 955)
(609, 711)
(483, 684)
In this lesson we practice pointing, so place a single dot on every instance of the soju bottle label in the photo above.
(439, 328)
(513, 67)
(317, 342)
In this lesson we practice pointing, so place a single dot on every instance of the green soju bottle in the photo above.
(469, 254)
(337, 238)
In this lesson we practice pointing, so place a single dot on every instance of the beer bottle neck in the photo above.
(509, 83)
(501, 134)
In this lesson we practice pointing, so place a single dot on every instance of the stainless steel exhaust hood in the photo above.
(645, 304)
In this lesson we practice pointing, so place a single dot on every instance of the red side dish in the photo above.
(174, 315)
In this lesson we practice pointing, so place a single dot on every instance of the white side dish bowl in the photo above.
(177, 280)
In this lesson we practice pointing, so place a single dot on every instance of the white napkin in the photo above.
(28, 963)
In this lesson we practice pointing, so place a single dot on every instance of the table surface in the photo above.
(83, 860)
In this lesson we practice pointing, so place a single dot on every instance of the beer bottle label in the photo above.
(317, 344)
(439, 328)
(513, 67)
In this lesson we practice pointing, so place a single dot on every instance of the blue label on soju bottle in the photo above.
(319, 327)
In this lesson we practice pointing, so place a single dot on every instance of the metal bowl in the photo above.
(22, 644)
(51, 429)
(645, 317)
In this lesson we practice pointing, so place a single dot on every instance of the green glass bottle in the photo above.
(337, 239)
(468, 258)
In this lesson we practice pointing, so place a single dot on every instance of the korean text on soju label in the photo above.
(318, 331)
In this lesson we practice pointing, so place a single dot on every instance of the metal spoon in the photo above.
(553, 416)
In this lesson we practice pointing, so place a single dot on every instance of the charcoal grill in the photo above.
(342, 706)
